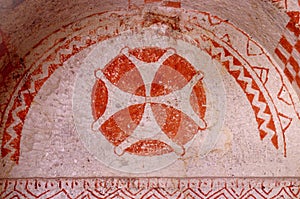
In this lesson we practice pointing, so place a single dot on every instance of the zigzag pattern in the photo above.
(20, 105)
(143, 188)
(258, 102)
(33, 83)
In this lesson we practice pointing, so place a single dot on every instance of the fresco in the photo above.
(152, 101)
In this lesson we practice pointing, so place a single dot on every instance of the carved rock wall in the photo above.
(100, 98)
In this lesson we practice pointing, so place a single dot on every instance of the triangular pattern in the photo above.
(226, 39)
(221, 188)
(262, 73)
(253, 194)
(29, 86)
(284, 96)
(285, 121)
(214, 20)
(190, 193)
(266, 189)
(237, 191)
(295, 190)
(282, 194)
(61, 194)
(253, 49)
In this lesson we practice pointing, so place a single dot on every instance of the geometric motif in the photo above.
(163, 107)
(173, 73)
(129, 188)
(288, 50)
(256, 89)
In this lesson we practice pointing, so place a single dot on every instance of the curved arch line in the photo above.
(29, 97)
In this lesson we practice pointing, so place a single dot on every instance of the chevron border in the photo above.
(179, 188)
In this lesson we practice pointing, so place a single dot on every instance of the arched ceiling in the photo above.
(149, 88)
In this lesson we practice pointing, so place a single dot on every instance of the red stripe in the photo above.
(294, 63)
(289, 75)
(281, 56)
(297, 46)
(286, 44)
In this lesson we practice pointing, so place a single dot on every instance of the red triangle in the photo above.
(262, 134)
(6, 137)
(285, 121)
(226, 39)
(5, 151)
(214, 20)
(274, 140)
(253, 49)
(262, 73)
(284, 96)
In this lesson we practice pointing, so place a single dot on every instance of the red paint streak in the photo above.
(288, 75)
(298, 80)
(28, 97)
(198, 99)
(5, 151)
(269, 59)
(148, 54)
(282, 91)
(281, 56)
(297, 46)
(287, 46)
(274, 140)
(22, 114)
(294, 20)
(149, 148)
(151, 1)
(6, 137)
(99, 99)
(294, 63)
(173, 4)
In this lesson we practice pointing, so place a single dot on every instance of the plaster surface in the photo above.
(198, 99)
